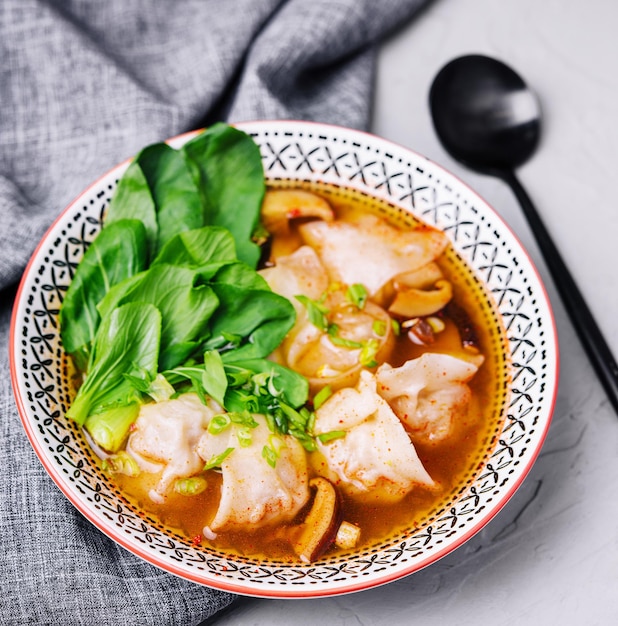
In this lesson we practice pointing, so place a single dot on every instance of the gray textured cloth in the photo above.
(84, 84)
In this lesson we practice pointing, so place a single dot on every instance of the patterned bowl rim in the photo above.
(302, 581)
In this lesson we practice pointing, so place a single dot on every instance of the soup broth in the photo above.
(452, 463)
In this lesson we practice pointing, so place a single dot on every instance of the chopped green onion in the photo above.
(316, 312)
(379, 327)
(276, 443)
(308, 444)
(333, 334)
(357, 295)
(253, 387)
(333, 330)
(346, 343)
(303, 437)
(272, 390)
(244, 437)
(331, 435)
(190, 486)
(270, 455)
(219, 423)
(320, 398)
(270, 422)
(368, 353)
(311, 423)
(272, 451)
(237, 376)
(293, 415)
(260, 380)
(218, 459)
(121, 463)
(396, 327)
(243, 418)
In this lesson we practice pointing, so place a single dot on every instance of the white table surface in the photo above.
(551, 555)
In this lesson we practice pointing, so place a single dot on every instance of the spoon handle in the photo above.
(589, 333)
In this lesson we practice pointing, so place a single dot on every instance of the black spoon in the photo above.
(487, 118)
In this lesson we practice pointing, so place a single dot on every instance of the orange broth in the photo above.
(452, 464)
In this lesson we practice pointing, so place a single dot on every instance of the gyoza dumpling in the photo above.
(376, 456)
(300, 273)
(370, 251)
(312, 351)
(254, 493)
(429, 394)
(363, 335)
(165, 436)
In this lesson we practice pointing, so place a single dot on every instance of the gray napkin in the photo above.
(84, 84)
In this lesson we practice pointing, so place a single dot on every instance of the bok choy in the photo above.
(167, 295)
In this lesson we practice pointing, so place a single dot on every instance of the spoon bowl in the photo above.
(484, 113)
(486, 117)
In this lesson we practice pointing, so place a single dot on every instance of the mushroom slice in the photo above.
(322, 522)
(421, 278)
(411, 302)
(469, 337)
(281, 206)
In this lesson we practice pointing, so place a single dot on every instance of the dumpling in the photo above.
(314, 352)
(370, 251)
(300, 273)
(364, 337)
(429, 394)
(165, 437)
(376, 456)
(254, 493)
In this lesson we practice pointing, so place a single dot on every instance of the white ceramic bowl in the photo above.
(308, 153)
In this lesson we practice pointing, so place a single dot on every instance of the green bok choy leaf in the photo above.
(169, 281)
(117, 253)
(127, 343)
